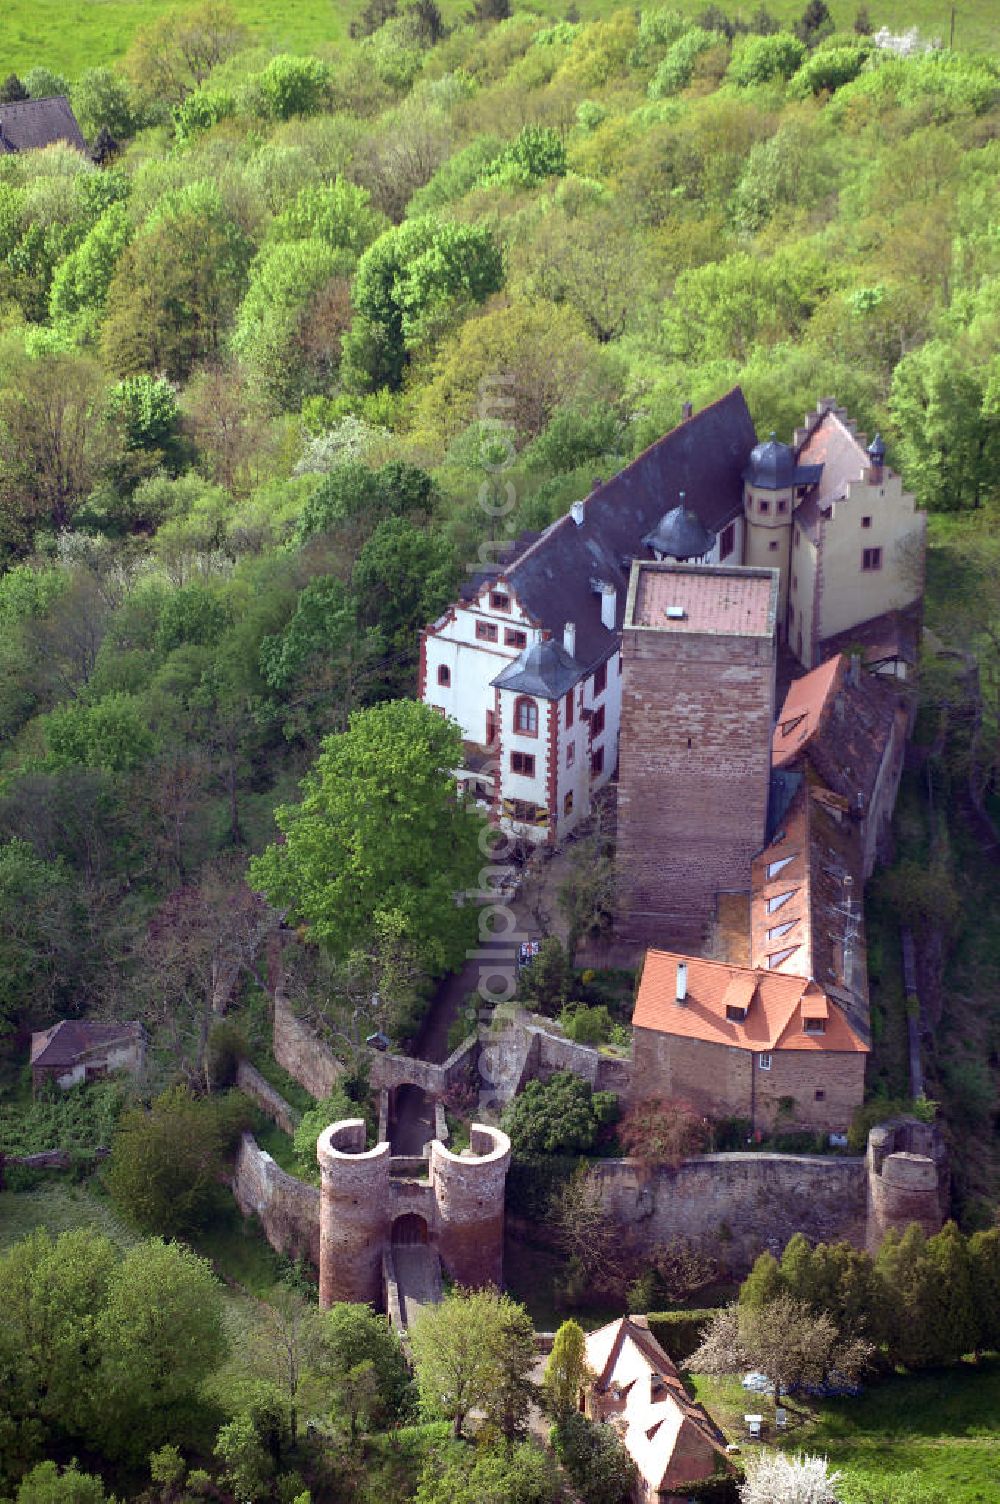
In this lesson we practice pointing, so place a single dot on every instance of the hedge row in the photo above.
(679, 1332)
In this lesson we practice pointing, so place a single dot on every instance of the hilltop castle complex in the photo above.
(728, 626)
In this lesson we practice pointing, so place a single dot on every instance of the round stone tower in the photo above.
(354, 1214)
(907, 1180)
(769, 496)
(469, 1192)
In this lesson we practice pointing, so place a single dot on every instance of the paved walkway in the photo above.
(414, 1123)
(418, 1278)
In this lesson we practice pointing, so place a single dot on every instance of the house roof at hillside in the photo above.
(544, 669)
(657, 1415)
(806, 918)
(774, 1020)
(72, 1038)
(31, 124)
(688, 598)
(805, 705)
(841, 723)
(557, 576)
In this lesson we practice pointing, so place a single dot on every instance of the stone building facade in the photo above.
(698, 699)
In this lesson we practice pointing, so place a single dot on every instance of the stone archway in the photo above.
(409, 1230)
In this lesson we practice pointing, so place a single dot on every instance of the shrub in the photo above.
(760, 60)
(294, 85)
(543, 983)
(676, 69)
(663, 1132)
(558, 1117)
(586, 1025)
(828, 70)
(599, 1466)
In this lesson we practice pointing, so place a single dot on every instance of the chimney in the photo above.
(686, 411)
(576, 512)
(854, 673)
(609, 606)
(569, 638)
(682, 982)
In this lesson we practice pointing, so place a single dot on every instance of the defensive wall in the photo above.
(730, 1205)
(286, 1208)
(525, 1050)
(300, 1051)
(268, 1098)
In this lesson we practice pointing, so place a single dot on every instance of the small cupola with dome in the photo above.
(680, 537)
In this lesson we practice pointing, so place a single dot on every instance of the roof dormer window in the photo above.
(499, 600)
(814, 1025)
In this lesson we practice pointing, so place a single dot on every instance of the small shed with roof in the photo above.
(75, 1050)
(33, 124)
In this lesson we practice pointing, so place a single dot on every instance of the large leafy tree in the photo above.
(379, 830)
(474, 1350)
(54, 441)
(407, 282)
(168, 1164)
(949, 431)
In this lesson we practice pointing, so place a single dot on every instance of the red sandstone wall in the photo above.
(694, 765)
(287, 1209)
(725, 1082)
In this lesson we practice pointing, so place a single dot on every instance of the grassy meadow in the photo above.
(940, 1427)
(86, 33)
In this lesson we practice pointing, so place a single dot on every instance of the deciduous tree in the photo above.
(379, 830)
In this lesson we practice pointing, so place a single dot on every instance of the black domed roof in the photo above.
(680, 534)
(771, 466)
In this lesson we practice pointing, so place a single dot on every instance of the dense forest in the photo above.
(310, 332)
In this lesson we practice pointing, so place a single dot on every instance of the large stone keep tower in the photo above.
(371, 1201)
(698, 674)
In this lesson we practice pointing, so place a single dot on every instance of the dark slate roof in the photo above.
(30, 124)
(680, 534)
(72, 1038)
(772, 467)
(545, 669)
(554, 578)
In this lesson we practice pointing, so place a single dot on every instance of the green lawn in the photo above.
(59, 1207)
(78, 35)
(944, 1426)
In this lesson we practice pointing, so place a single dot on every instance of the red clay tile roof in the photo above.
(774, 1020)
(841, 725)
(805, 705)
(818, 930)
(727, 601)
